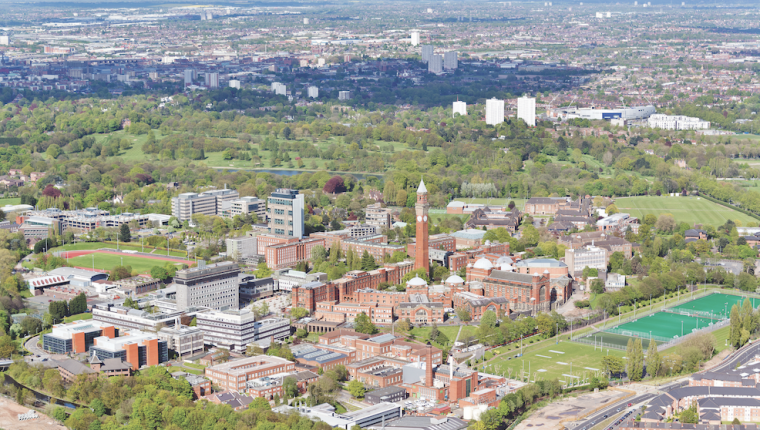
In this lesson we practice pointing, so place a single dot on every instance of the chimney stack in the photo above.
(429, 366)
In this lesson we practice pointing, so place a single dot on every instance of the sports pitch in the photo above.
(716, 304)
(684, 209)
(661, 326)
(108, 260)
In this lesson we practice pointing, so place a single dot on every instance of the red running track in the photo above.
(72, 254)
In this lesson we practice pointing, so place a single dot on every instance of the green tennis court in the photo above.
(605, 340)
(717, 304)
(661, 326)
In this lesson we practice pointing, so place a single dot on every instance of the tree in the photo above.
(44, 245)
(665, 223)
(597, 286)
(736, 421)
(301, 333)
(78, 304)
(736, 326)
(690, 416)
(129, 303)
(98, 408)
(368, 262)
(7, 347)
(158, 272)
(260, 404)
(612, 364)
(290, 387)
(611, 210)
(58, 310)
(362, 324)
(463, 314)
(635, 364)
(59, 414)
(31, 325)
(261, 310)
(653, 359)
(298, 313)
(124, 234)
(263, 271)
(334, 186)
(121, 272)
(356, 388)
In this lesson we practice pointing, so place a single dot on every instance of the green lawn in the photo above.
(545, 364)
(173, 369)
(78, 317)
(109, 261)
(195, 366)
(692, 210)
(135, 246)
(437, 218)
(502, 201)
(11, 201)
(313, 337)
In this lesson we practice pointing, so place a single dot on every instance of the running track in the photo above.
(72, 254)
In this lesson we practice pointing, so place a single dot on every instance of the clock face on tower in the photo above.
(424, 218)
(419, 218)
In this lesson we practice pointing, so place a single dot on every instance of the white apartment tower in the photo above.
(526, 110)
(313, 92)
(234, 83)
(279, 88)
(435, 65)
(415, 38)
(427, 53)
(450, 60)
(494, 111)
(212, 80)
(344, 95)
(285, 209)
(459, 108)
(189, 76)
(306, 21)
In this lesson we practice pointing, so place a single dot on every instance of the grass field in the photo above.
(11, 201)
(519, 203)
(109, 261)
(661, 326)
(717, 304)
(692, 210)
(554, 361)
(87, 246)
(173, 369)
(78, 317)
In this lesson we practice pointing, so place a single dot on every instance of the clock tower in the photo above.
(421, 259)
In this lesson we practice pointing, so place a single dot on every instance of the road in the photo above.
(741, 356)
(31, 346)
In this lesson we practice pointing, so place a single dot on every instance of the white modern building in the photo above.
(235, 329)
(615, 281)
(435, 65)
(189, 75)
(677, 122)
(213, 286)
(241, 247)
(427, 53)
(494, 111)
(591, 256)
(279, 88)
(285, 210)
(306, 21)
(184, 340)
(212, 80)
(459, 108)
(450, 61)
(526, 110)
(6, 40)
(234, 83)
(207, 203)
(344, 95)
(415, 38)
(313, 92)
(286, 279)
(636, 112)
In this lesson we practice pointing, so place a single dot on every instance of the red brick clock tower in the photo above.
(421, 259)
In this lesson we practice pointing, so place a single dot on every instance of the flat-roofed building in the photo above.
(248, 205)
(236, 329)
(286, 212)
(77, 336)
(239, 248)
(214, 286)
(286, 279)
(378, 216)
(184, 340)
(136, 347)
(187, 204)
(234, 375)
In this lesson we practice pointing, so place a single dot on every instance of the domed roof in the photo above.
(454, 279)
(483, 263)
(476, 285)
(507, 268)
(503, 260)
(416, 282)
